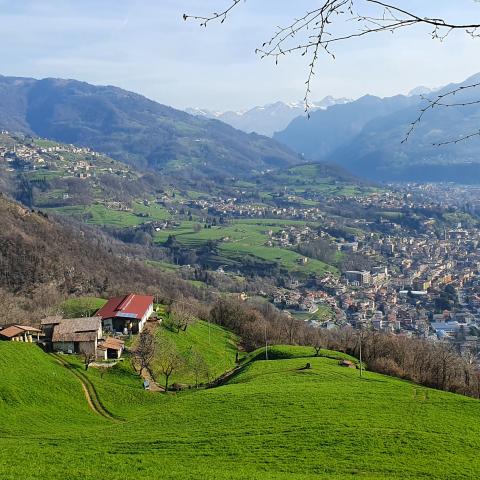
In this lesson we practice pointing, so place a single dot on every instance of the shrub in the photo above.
(387, 366)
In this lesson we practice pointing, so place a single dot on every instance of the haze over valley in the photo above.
(190, 289)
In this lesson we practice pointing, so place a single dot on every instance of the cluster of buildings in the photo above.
(99, 336)
(80, 162)
(307, 301)
(291, 236)
(237, 207)
(427, 287)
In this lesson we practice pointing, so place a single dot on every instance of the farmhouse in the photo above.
(81, 336)
(20, 333)
(48, 324)
(75, 335)
(126, 314)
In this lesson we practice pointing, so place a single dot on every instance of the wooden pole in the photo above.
(361, 365)
(266, 342)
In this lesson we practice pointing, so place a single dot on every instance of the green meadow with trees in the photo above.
(275, 419)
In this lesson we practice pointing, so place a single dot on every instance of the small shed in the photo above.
(20, 333)
(110, 348)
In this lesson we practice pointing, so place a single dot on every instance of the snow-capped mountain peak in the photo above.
(267, 119)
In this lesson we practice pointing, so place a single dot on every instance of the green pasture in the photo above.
(274, 420)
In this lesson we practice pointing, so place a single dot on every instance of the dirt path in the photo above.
(88, 389)
(89, 399)
(154, 386)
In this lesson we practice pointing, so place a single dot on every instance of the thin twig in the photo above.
(315, 26)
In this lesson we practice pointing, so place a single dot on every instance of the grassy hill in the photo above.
(217, 346)
(274, 420)
(245, 238)
(28, 403)
(314, 180)
(81, 306)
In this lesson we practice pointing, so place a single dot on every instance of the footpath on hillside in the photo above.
(88, 389)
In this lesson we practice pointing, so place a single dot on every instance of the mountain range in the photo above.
(267, 119)
(363, 136)
(366, 136)
(133, 129)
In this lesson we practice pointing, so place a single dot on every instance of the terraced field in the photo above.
(102, 216)
(245, 237)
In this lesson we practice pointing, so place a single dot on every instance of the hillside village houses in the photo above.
(79, 162)
(90, 336)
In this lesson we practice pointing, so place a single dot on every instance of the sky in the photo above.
(146, 47)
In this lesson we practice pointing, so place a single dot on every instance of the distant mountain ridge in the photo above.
(327, 130)
(365, 137)
(267, 119)
(134, 129)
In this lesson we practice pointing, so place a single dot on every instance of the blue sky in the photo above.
(145, 46)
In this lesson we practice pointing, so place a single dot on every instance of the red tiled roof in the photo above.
(128, 306)
(14, 330)
(112, 343)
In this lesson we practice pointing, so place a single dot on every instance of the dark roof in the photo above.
(52, 320)
(77, 329)
(15, 330)
(74, 337)
(128, 306)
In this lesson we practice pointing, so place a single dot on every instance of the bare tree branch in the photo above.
(316, 29)
(463, 138)
(316, 26)
(439, 102)
(220, 16)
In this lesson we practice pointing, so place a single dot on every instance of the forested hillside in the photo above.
(44, 260)
(367, 136)
(134, 129)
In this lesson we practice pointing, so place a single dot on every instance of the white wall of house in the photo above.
(102, 354)
(145, 317)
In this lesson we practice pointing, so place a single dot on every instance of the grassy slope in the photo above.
(273, 421)
(216, 345)
(246, 237)
(28, 403)
(81, 306)
(100, 215)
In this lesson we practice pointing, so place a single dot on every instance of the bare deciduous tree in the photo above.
(329, 22)
(167, 359)
(316, 340)
(181, 316)
(144, 352)
(198, 366)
